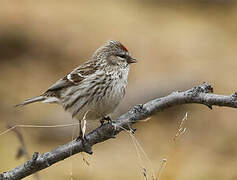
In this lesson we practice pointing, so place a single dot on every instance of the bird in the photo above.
(93, 89)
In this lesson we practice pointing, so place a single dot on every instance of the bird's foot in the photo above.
(80, 138)
(107, 118)
(85, 144)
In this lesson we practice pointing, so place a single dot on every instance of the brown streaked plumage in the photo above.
(96, 87)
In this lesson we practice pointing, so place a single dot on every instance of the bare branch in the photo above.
(200, 94)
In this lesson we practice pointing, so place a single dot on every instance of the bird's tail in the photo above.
(31, 100)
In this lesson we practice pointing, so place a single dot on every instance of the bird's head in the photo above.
(114, 53)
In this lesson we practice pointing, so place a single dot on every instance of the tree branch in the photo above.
(200, 94)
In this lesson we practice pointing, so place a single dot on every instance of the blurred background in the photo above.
(178, 44)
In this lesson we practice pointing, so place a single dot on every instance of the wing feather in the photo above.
(75, 77)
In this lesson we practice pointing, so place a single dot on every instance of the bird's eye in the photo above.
(121, 55)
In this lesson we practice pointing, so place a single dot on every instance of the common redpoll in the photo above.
(96, 87)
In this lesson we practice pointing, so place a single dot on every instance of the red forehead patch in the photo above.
(124, 48)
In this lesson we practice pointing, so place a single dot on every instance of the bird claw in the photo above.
(79, 138)
(107, 118)
(86, 146)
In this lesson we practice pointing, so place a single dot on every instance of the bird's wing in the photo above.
(75, 77)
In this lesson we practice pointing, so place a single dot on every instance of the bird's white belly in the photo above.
(108, 103)
(100, 106)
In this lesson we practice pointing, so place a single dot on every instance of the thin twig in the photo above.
(37, 126)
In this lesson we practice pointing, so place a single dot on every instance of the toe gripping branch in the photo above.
(111, 131)
(107, 118)
(85, 141)
(86, 147)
